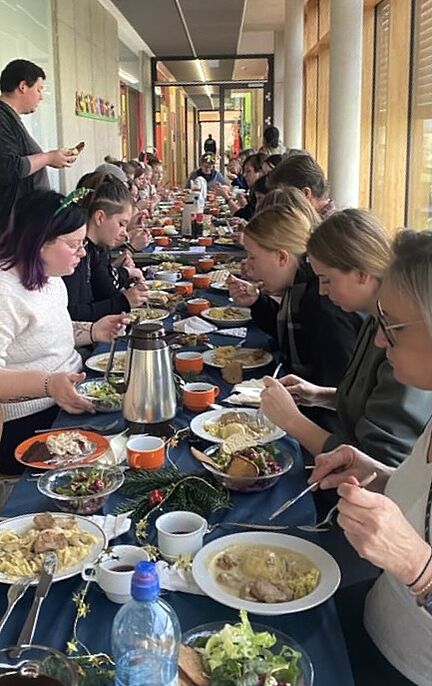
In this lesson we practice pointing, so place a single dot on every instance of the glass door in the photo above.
(241, 119)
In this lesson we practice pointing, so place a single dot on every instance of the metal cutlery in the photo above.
(14, 594)
(42, 589)
(260, 418)
(325, 522)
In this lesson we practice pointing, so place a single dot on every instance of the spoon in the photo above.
(202, 457)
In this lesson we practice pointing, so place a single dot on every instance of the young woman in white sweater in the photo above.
(39, 365)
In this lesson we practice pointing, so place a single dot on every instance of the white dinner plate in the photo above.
(219, 286)
(208, 357)
(98, 363)
(243, 319)
(197, 425)
(328, 583)
(24, 522)
(141, 312)
(160, 285)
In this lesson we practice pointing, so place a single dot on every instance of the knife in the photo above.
(291, 501)
(43, 587)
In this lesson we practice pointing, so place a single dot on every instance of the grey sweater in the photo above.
(378, 414)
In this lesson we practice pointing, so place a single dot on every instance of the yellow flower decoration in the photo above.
(72, 646)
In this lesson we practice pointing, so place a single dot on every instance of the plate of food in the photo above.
(219, 286)
(58, 448)
(225, 240)
(149, 314)
(101, 394)
(228, 315)
(250, 358)
(228, 653)
(98, 363)
(266, 573)
(24, 540)
(216, 426)
(240, 464)
(159, 285)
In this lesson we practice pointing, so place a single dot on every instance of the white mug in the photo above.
(114, 574)
(169, 276)
(180, 533)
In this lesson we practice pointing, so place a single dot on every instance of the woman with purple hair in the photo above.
(39, 365)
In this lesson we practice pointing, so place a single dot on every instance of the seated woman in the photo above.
(96, 288)
(234, 174)
(391, 526)
(39, 365)
(271, 163)
(316, 338)
(244, 208)
(349, 253)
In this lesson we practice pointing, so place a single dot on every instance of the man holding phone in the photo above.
(22, 162)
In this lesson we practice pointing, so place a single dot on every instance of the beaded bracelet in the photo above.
(91, 332)
(423, 590)
(45, 385)
(419, 576)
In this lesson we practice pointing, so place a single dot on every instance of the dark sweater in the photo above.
(94, 287)
(16, 145)
(317, 331)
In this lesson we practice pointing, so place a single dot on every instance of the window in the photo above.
(380, 106)
(420, 163)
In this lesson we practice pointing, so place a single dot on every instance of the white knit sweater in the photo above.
(35, 333)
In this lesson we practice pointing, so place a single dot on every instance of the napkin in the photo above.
(173, 578)
(239, 332)
(247, 393)
(116, 453)
(193, 325)
(113, 525)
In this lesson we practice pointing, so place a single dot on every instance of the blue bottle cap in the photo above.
(145, 582)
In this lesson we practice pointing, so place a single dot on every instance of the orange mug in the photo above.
(184, 287)
(198, 396)
(189, 362)
(197, 305)
(157, 231)
(145, 452)
(188, 272)
(205, 240)
(162, 240)
(201, 281)
(205, 264)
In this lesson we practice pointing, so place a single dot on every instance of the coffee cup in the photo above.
(145, 452)
(169, 276)
(180, 533)
(199, 396)
(157, 231)
(197, 305)
(184, 287)
(206, 263)
(201, 281)
(114, 573)
(188, 272)
(162, 240)
(189, 362)
(205, 240)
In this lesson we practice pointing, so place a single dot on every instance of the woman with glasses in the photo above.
(349, 252)
(39, 365)
(390, 635)
(96, 287)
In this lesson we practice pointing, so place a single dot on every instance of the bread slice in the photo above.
(242, 466)
(191, 665)
(237, 442)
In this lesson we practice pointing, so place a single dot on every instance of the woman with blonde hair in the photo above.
(291, 198)
(316, 338)
(349, 252)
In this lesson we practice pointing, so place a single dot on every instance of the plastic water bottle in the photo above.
(146, 635)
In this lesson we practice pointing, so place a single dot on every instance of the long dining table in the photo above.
(317, 630)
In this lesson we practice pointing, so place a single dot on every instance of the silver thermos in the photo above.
(148, 386)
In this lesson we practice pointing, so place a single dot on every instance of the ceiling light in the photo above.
(125, 76)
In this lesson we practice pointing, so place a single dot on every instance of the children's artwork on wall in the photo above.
(94, 107)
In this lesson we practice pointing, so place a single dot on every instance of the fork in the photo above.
(14, 594)
(326, 523)
(260, 418)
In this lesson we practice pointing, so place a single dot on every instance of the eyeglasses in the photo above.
(388, 329)
(77, 245)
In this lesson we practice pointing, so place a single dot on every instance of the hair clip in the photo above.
(74, 196)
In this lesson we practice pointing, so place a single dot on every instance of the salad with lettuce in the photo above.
(239, 656)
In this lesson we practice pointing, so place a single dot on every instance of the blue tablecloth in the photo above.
(317, 630)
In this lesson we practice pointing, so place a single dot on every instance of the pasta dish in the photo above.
(22, 554)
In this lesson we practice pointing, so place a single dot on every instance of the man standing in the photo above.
(210, 145)
(22, 162)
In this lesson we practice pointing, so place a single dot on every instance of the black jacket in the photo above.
(322, 334)
(94, 287)
(15, 146)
